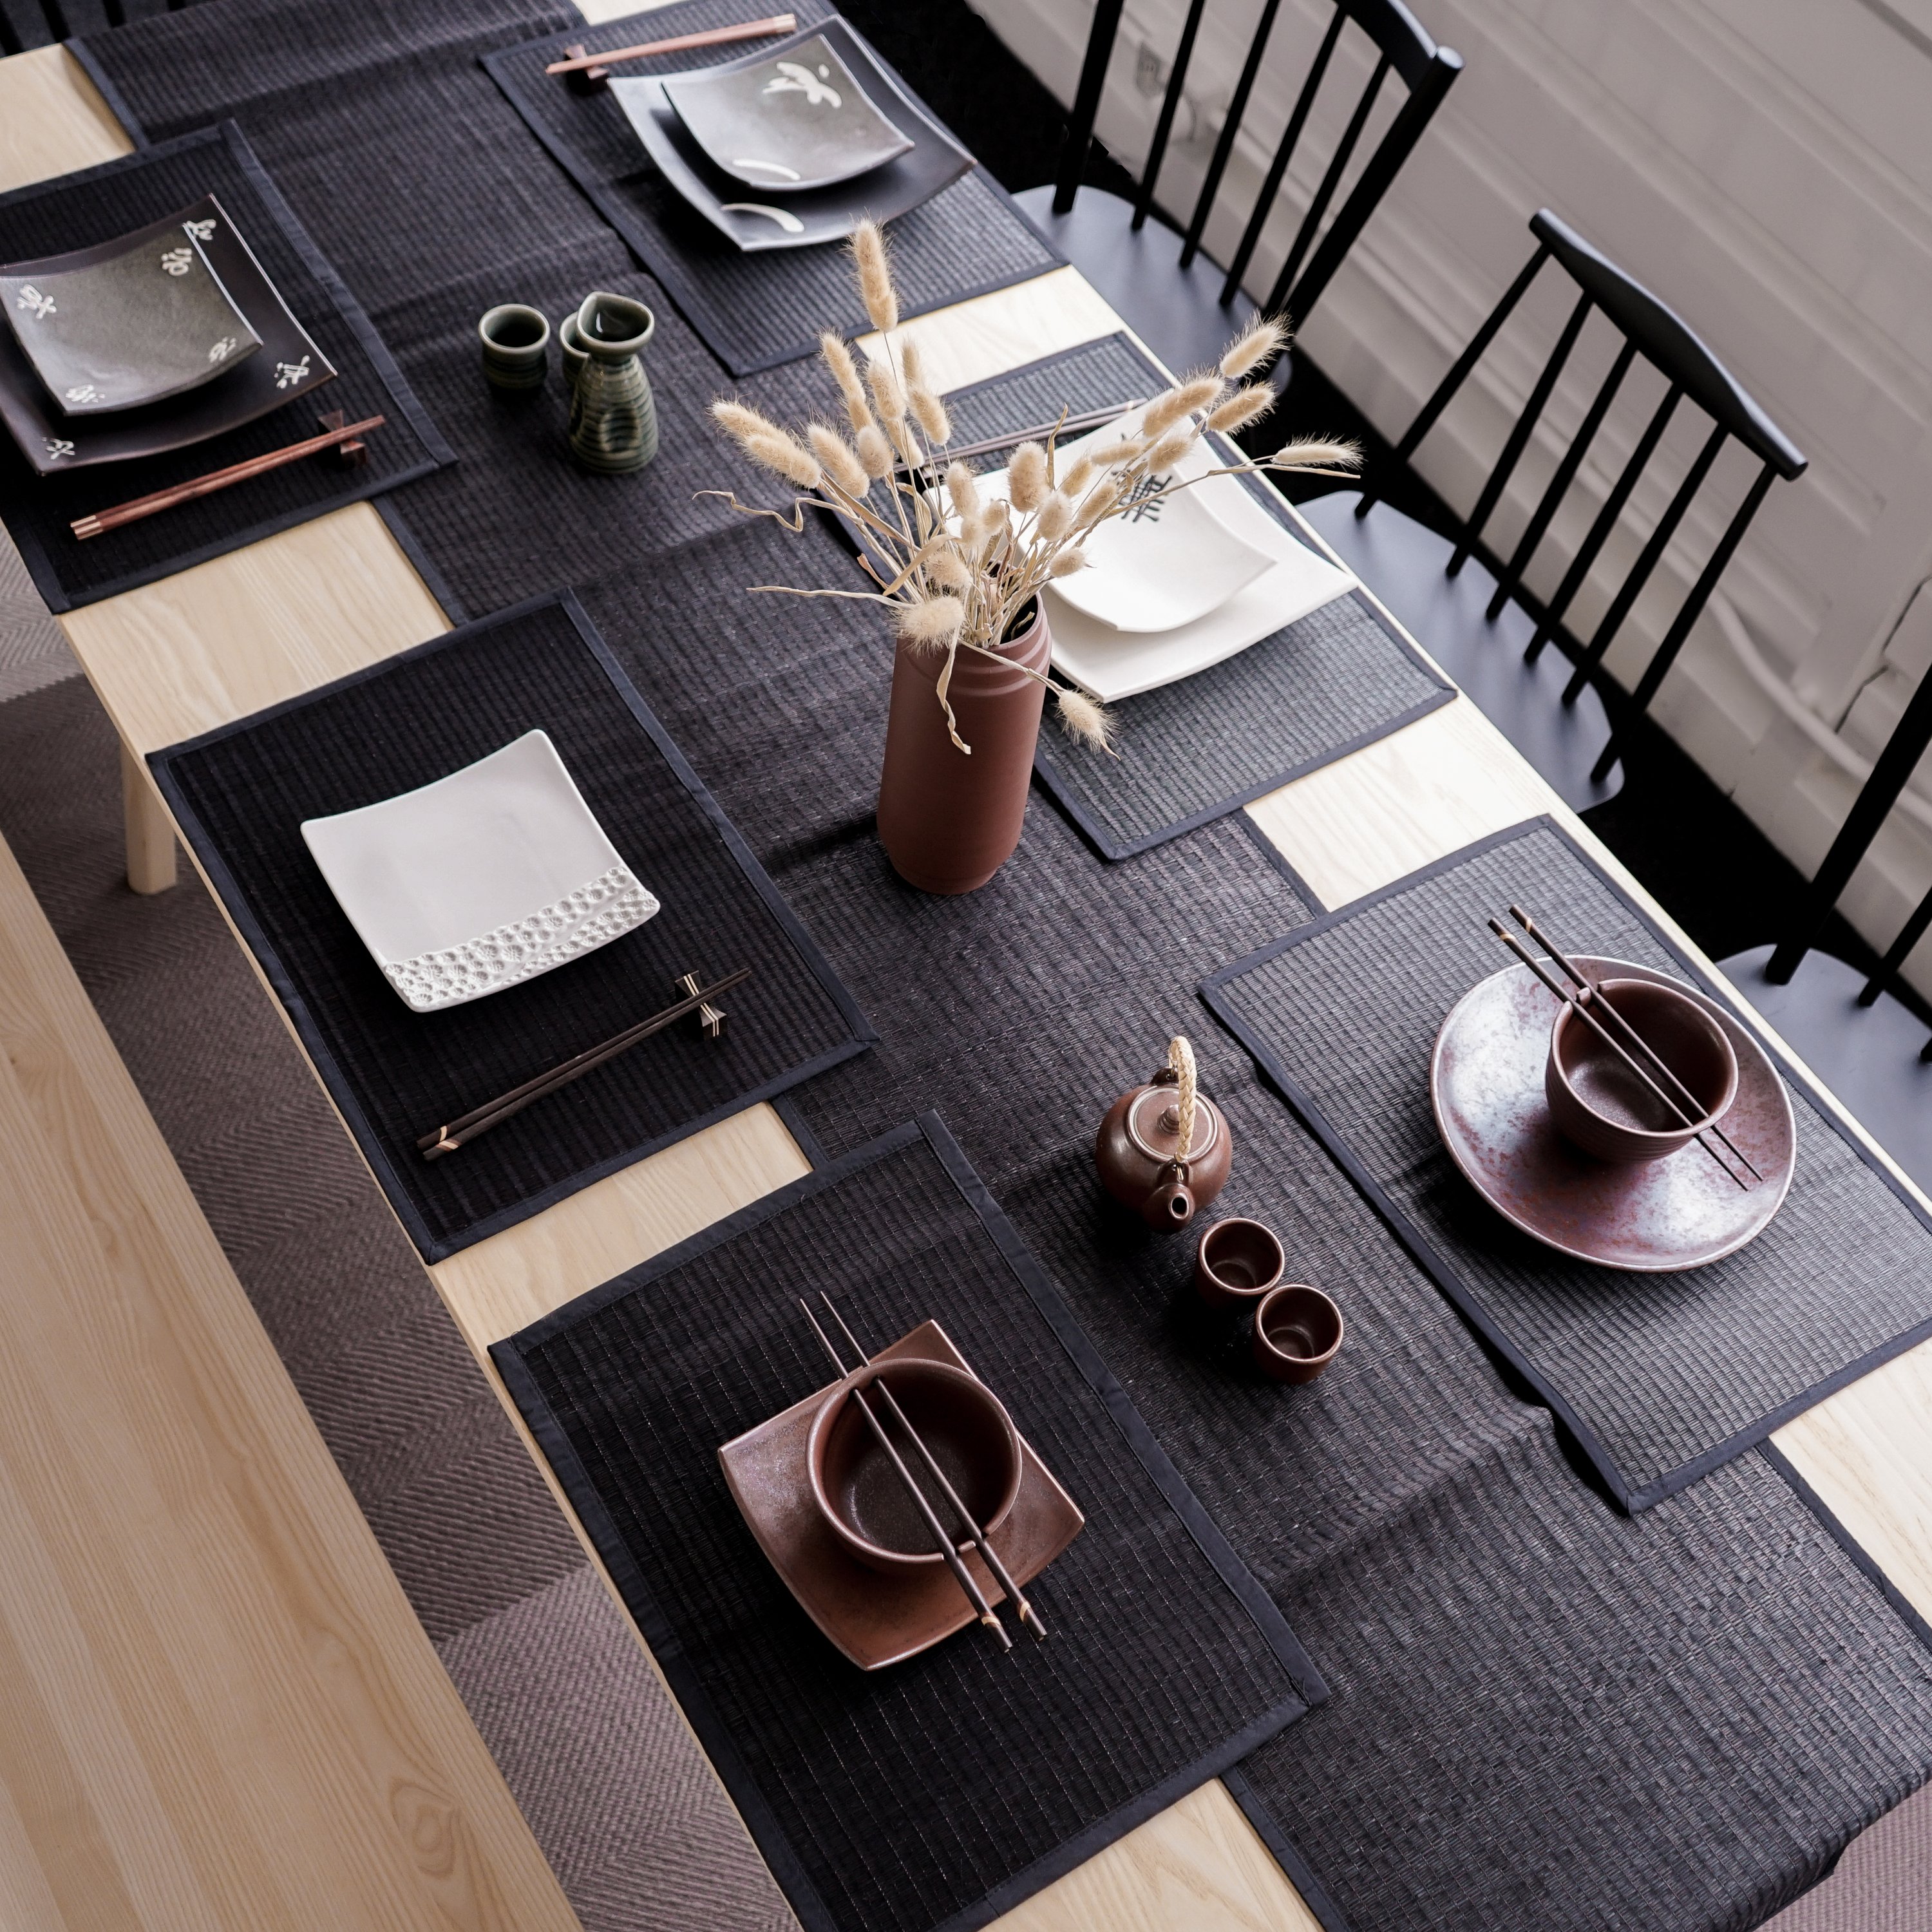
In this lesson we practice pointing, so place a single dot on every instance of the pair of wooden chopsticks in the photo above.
(465, 1128)
(1682, 1101)
(714, 37)
(101, 521)
(942, 1540)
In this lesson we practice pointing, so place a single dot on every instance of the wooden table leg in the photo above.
(150, 834)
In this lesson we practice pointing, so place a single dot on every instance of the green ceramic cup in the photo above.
(613, 421)
(516, 347)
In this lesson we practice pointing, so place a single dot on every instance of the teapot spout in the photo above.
(1170, 1204)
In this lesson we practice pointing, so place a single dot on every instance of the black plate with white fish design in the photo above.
(286, 364)
(787, 122)
(806, 219)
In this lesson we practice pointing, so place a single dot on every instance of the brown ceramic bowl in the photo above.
(1601, 1106)
(1236, 1261)
(1297, 1329)
(859, 1493)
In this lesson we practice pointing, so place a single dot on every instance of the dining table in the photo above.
(228, 638)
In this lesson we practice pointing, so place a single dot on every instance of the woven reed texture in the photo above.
(396, 1073)
(1662, 1369)
(755, 311)
(1020, 1012)
(96, 206)
(907, 1796)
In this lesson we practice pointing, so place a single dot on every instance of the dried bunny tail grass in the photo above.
(1171, 448)
(964, 490)
(1112, 455)
(942, 563)
(845, 373)
(840, 463)
(874, 451)
(740, 423)
(1100, 505)
(931, 623)
(1082, 472)
(1263, 340)
(1310, 452)
(875, 278)
(784, 454)
(1168, 408)
(1056, 516)
(886, 395)
(1071, 559)
(1243, 407)
(1083, 718)
(930, 413)
(1026, 477)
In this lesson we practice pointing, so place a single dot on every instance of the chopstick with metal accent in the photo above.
(101, 521)
(942, 1542)
(712, 36)
(454, 1134)
(1088, 419)
(1583, 1012)
(1583, 981)
(1028, 1615)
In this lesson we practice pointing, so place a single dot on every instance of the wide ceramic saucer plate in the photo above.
(876, 1618)
(480, 879)
(752, 223)
(1486, 1081)
(286, 366)
(127, 322)
(788, 122)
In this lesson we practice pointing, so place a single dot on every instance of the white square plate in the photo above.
(486, 877)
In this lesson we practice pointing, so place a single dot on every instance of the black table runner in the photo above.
(240, 794)
(758, 310)
(1660, 1378)
(75, 210)
(984, 1776)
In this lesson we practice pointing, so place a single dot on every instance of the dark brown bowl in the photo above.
(859, 1493)
(1601, 1106)
(1297, 1329)
(1236, 1262)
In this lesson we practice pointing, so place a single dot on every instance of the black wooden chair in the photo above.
(1183, 306)
(53, 16)
(1862, 1041)
(1468, 618)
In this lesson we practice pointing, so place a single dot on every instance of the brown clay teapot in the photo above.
(1164, 1150)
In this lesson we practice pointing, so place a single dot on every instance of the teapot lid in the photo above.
(1154, 1123)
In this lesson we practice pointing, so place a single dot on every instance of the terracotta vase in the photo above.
(949, 821)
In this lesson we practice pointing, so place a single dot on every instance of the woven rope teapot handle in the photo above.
(1180, 1057)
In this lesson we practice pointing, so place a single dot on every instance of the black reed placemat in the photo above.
(240, 794)
(1336, 680)
(755, 311)
(942, 1791)
(1661, 1377)
(97, 204)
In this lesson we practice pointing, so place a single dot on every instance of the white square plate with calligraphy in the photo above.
(480, 879)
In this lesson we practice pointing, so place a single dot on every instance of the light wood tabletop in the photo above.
(222, 640)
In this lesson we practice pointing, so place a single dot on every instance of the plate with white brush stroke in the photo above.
(479, 880)
(1113, 662)
(798, 217)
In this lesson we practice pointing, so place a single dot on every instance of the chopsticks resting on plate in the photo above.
(1584, 985)
(942, 1542)
(1586, 1013)
(712, 36)
(1028, 1615)
(458, 1132)
(1087, 419)
(101, 521)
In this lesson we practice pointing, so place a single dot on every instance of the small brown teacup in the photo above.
(1297, 1329)
(1599, 1104)
(1236, 1261)
(516, 347)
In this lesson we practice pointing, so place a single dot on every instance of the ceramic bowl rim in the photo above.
(1264, 1340)
(1230, 1290)
(526, 349)
(834, 1399)
(1665, 1140)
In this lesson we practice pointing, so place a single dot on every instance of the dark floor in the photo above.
(1728, 887)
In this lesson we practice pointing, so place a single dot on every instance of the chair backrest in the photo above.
(1651, 330)
(1403, 48)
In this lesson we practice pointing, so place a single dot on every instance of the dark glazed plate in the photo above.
(1486, 1081)
(797, 220)
(878, 1618)
(786, 122)
(131, 321)
(285, 366)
